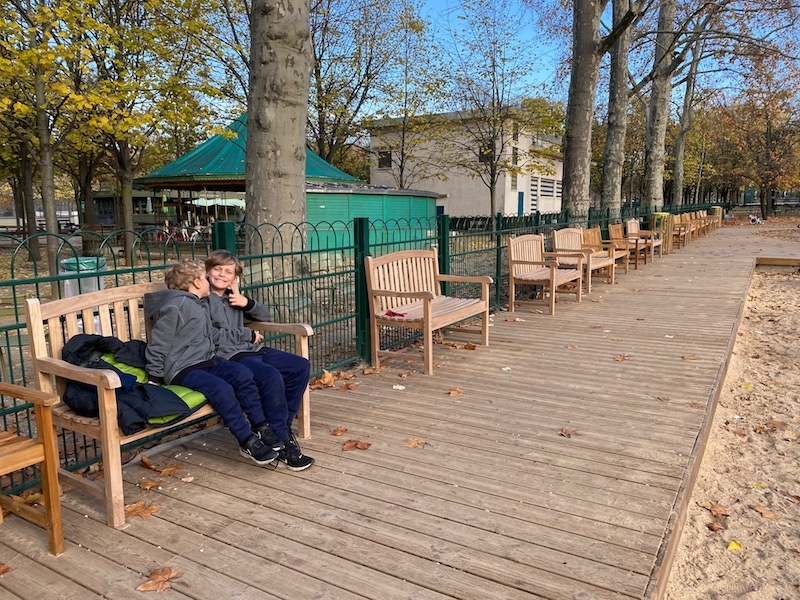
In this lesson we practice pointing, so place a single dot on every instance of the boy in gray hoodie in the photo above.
(181, 351)
(281, 377)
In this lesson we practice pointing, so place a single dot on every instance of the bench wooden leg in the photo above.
(112, 458)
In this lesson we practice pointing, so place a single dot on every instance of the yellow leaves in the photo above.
(734, 546)
(158, 580)
(140, 509)
(22, 110)
(747, 387)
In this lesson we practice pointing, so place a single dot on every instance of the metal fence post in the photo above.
(223, 236)
(443, 233)
(361, 251)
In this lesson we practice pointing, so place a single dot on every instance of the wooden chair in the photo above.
(529, 264)
(593, 239)
(680, 232)
(570, 240)
(652, 239)
(19, 452)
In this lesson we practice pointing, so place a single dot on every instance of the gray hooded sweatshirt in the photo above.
(229, 321)
(182, 335)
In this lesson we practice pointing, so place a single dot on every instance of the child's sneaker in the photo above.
(253, 448)
(265, 433)
(292, 456)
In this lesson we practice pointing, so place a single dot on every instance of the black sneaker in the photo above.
(255, 449)
(292, 456)
(265, 433)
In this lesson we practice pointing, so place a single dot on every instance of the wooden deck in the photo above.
(496, 504)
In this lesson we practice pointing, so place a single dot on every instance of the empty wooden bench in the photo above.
(20, 452)
(570, 240)
(404, 290)
(116, 312)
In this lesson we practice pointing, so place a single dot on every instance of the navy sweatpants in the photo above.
(281, 378)
(231, 389)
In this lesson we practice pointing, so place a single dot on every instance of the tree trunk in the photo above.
(614, 151)
(658, 116)
(580, 108)
(86, 211)
(29, 206)
(48, 176)
(280, 59)
(685, 126)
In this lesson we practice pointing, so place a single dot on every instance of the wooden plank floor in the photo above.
(496, 504)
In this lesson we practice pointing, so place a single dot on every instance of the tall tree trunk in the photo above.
(86, 210)
(47, 174)
(29, 206)
(580, 108)
(685, 125)
(659, 107)
(614, 151)
(280, 68)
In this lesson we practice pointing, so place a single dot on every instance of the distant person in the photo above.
(180, 351)
(281, 377)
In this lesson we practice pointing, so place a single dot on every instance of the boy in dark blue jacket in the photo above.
(281, 377)
(181, 351)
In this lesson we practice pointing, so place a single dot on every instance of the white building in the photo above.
(461, 191)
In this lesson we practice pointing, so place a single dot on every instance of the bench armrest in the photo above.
(28, 394)
(102, 378)
(300, 331)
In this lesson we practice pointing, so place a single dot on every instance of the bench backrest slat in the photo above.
(403, 271)
(569, 239)
(529, 247)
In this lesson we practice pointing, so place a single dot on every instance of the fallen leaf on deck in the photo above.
(165, 471)
(570, 346)
(4, 568)
(339, 430)
(621, 357)
(616, 339)
(568, 432)
(348, 385)
(414, 442)
(158, 580)
(690, 357)
(455, 392)
(372, 370)
(515, 320)
(188, 479)
(327, 379)
(149, 484)
(469, 346)
(696, 404)
(405, 374)
(356, 445)
(140, 509)
(765, 512)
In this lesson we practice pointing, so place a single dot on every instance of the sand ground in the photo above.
(741, 539)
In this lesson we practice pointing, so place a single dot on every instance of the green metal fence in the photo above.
(304, 272)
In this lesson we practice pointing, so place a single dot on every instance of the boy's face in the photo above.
(200, 287)
(221, 277)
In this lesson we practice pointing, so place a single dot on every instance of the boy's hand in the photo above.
(258, 337)
(235, 298)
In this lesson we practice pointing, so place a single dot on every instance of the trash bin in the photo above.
(716, 213)
(82, 265)
(662, 221)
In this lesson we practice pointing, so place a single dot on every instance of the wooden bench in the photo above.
(404, 290)
(651, 239)
(114, 312)
(19, 452)
(593, 240)
(529, 264)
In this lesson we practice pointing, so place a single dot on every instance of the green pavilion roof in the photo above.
(218, 164)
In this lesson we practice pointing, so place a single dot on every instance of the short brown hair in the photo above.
(223, 257)
(180, 275)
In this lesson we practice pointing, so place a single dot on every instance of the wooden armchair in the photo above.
(652, 239)
(680, 232)
(570, 240)
(529, 264)
(19, 452)
(593, 239)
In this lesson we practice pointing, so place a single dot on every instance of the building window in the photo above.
(547, 188)
(513, 181)
(385, 159)
(514, 156)
(515, 132)
(485, 155)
